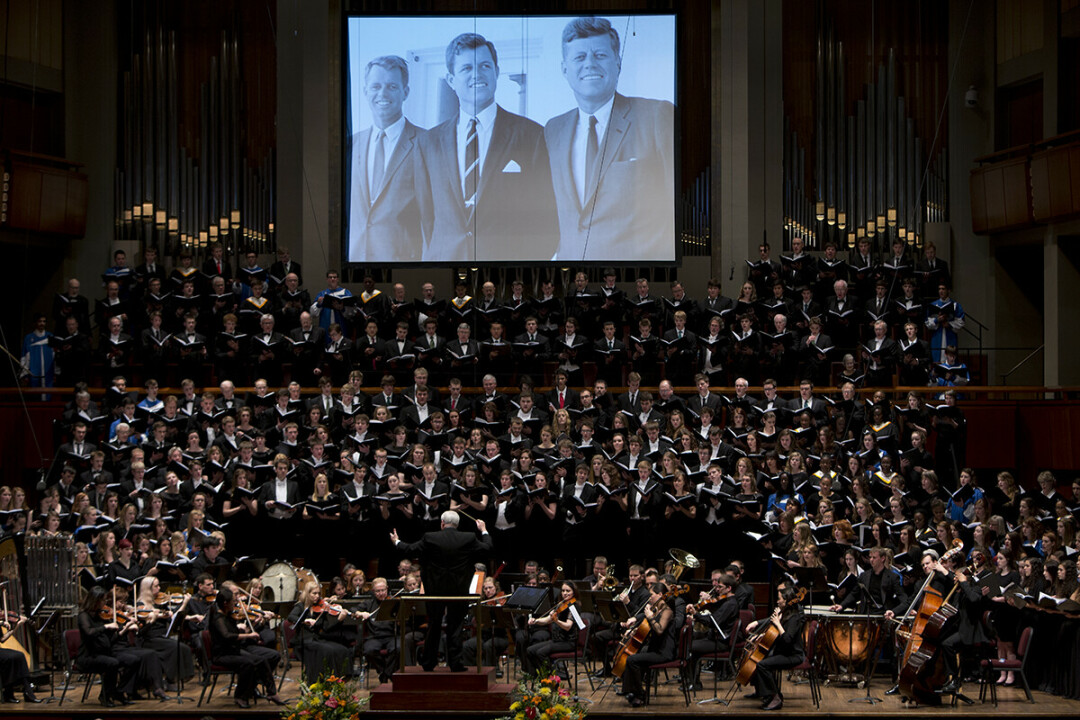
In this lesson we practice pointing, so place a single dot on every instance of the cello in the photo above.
(635, 637)
(922, 668)
(759, 645)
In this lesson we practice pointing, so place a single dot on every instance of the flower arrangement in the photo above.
(542, 697)
(329, 698)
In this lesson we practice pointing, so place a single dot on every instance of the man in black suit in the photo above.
(531, 349)
(880, 591)
(309, 355)
(216, 265)
(384, 222)
(284, 265)
(483, 177)
(612, 156)
(447, 557)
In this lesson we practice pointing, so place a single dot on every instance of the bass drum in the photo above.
(280, 583)
(303, 577)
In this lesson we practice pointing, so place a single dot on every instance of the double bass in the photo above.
(759, 644)
(922, 669)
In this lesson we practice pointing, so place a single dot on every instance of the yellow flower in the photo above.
(545, 691)
(515, 707)
(519, 716)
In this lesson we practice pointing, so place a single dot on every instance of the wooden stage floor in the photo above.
(836, 701)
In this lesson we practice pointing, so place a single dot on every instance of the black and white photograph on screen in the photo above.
(525, 139)
(384, 218)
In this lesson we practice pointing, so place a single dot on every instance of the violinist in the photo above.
(14, 671)
(562, 623)
(313, 616)
(495, 640)
(152, 608)
(787, 650)
(379, 635)
(251, 610)
(252, 664)
(660, 646)
(199, 606)
(714, 616)
(104, 649)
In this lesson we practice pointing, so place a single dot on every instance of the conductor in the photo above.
(447, 556)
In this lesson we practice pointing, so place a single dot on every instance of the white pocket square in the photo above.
(512, 167)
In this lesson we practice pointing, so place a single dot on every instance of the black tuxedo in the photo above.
(278, 272)
(447, 557)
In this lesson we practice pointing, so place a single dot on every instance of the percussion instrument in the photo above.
(848, 641)
(282, 582)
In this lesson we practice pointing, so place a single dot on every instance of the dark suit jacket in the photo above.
(384, 222)
(447, 557)
(892, 595)
(630, 211)
(514, 217)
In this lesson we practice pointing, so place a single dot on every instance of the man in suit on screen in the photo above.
(612, 157)
(487, 194)
(384, 220)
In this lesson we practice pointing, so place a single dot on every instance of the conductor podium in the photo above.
(412, 688)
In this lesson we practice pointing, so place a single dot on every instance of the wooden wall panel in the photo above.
(1055, 183)
(992, 435)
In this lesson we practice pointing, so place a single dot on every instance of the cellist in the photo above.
(661, 644)
(787, 651)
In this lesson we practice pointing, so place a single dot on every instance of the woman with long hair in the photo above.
(562, 631)
(104, 649)
(660, 647)
(155, 614)
(787, 650)
(253, 664)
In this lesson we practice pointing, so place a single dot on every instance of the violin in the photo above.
(563, 606)
(323, 606)
(111, 614)
(710, 601)
(163, 598)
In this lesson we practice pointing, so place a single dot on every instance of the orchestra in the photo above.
(222, 510)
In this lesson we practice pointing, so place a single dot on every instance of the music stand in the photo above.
(247, 568)
(812, 579)
(173, 624)
(56, 638)
(720, 633)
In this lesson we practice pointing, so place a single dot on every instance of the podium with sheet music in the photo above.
(412, 688)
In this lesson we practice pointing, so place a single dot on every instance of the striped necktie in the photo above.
(472, 163)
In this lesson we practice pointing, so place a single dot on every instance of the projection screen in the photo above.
(472, 140)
